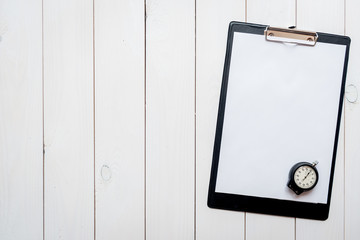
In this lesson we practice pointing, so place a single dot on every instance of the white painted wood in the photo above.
(119, 119)
(312, 15)
(68, 119)
(172, 208)
(212, 21)
(21, 157)
(333, 228)
(259, 226)
(170, 125)
(280, 13)
(321, 15)
(277, 13)
(352, 126)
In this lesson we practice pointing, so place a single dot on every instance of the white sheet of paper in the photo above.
(281, 108)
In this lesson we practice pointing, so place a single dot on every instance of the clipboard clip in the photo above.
(290, 36)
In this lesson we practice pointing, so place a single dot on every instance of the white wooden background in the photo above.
(108, 112)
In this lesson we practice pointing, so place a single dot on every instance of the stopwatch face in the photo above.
(305, 177)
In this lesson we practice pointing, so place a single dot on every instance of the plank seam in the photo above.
(43, 109)
(244, 225)
(296, 4)
(246, 16)
(94, 127)
(245, 10)
(294, 228)
(344, 19)
(195, 147)
(145, 209)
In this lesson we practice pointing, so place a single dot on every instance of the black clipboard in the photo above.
(228, 188)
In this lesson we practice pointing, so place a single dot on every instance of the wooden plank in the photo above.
(352, 128)
(21, 141)
(68, 119)
(119, 119)
(280, 13)
(321, 16)
(277, 13)
(311, 15)
(259, 226)
(333, 228)
(170, 130)
(212, 20)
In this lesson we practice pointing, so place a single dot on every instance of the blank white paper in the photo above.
(281, 108)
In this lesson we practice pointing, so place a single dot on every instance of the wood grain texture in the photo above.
(333, 227)
(151, 168)
(321, 16)
(280, 13)
(277, 13)
(68, 119)
(311, 15)
(352, 126)
(119, 119)
(21, 143)
(170, 130)
(259, 226)
(212, 21)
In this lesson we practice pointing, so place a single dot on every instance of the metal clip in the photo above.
(290, 36)
(315, 163)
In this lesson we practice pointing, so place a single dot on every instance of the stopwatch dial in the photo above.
(305, 177)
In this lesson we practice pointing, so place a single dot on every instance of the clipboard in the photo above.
(280, 103)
